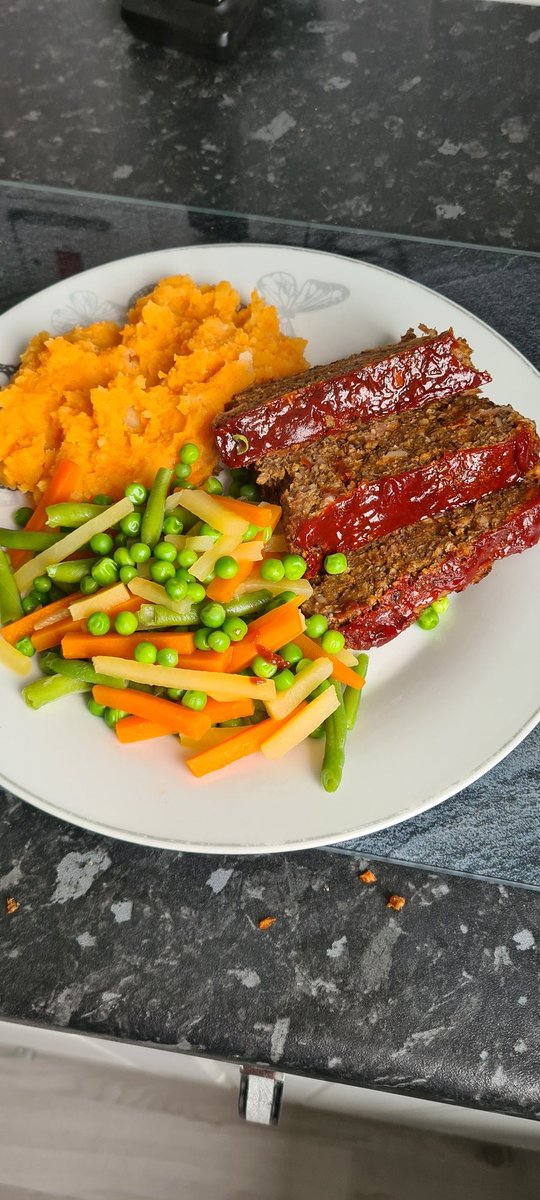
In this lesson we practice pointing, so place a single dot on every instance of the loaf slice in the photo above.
(340, 492)
(271, 417)
(392, 580)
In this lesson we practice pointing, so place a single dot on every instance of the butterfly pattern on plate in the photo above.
(84, 308)
(290, 298)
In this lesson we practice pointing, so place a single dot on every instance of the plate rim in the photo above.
(183, 846)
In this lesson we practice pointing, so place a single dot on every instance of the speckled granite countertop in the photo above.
(416, 118)
(438, 1001)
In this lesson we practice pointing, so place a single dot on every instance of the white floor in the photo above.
(90, 1124)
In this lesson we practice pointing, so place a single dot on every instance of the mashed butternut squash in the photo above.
(120, 401)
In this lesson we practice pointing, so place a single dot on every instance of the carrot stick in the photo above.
(65, 481)
(168, 713)
(222, 590)
(311, 649)
(135, 729)
(52, 635)
(257, 514)
(228, 710)
(244, 743)
(85, 645)
(24, 627)
(269, 632)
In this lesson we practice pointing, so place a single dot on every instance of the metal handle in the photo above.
(260, 1095)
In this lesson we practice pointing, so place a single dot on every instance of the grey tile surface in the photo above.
(411, 117)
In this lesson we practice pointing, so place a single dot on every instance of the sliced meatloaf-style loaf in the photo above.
(392, 580)
(340, 492)
(273, 416)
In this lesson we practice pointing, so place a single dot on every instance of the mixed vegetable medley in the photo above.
(178, 611)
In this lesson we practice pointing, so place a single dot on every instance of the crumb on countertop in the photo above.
(396, 902)
(266, 922)
(367, 876)
(12, 905)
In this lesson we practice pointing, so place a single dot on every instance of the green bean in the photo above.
(46, 660)
(318, 732)
(71, 515)
(71, 571)
(351, 696)
(52, 687)
(334, 751)
(78, 668)
(152, 522)
(10, 601)
(248, 604)
(157, 616)
(23, 539)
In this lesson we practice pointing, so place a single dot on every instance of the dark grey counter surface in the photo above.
(439, 1000)
(409, 117)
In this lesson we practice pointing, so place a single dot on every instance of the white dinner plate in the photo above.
(439, 708)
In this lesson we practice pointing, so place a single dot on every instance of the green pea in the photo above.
(207, 530)
(102, 499)
(140, 552)
(101, 543)
(174, 693)
(335, 564)
(249, 491)
(212, 615)
(301, 666)
(165, 551)
(182, 470)
(98, 623)
(26, 646)
(112, 715)
(167, 657)
(105, 571)
(316, 625)
(201, 639)
(291, 653)
(127, 573)
(219, 641)
(177, 589)
(21, 516)
(439, 605)
(294, 566)
(428, 619)
(226, 567)
(56, 594)
(195, 700)
(189, 453)
(122, 557)
(87, 586)
(125, 623)
(272, 569)
(31, 602)
(251, 533)
(182, 573)
(161, 571)
(213, 486)
(284, 680)
(186, 558)
(93, 707)
(195, 591)
(332, 641)
(145, 652)
(42, 585)
(264, 669)
(136, 492)
(131, 524)
(120, 538)
(172, 524)
(235, 628)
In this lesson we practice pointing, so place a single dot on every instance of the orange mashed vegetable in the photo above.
(121, 400)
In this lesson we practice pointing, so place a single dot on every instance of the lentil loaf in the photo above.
(345, 490)
(282, 413)
(393, 579)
